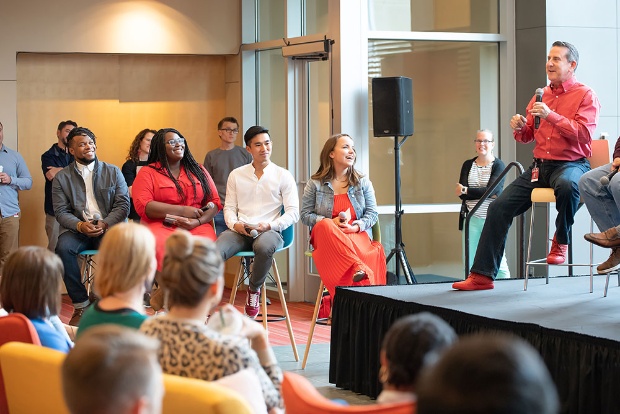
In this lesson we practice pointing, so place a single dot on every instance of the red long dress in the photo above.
(338, 256)
(151, 185)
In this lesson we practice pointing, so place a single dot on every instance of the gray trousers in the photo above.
(264, 246)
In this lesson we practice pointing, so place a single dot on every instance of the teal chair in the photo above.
(245, 269)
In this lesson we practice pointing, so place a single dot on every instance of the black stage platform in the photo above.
(576, 332)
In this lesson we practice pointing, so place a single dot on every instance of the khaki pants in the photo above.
(9, 233)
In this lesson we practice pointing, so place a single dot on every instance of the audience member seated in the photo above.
(192, 279)
(171, 190)
(340, 208)
(488, 374)
(125, 270)
(113, 369)
(261, 202)
(89, 197)
(136, 159)
(412, 343)
(30, 284)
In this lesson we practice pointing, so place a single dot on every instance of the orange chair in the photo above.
(14, 328)
(300, 397)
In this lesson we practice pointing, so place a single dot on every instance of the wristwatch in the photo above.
(463, 190)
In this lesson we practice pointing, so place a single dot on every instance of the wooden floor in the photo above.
(300, 312)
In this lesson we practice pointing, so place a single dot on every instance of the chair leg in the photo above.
(315, 315)
(284, 308)
(591, 257)
(264, 306)
(529, 247)
(607, 283)
(233, 293)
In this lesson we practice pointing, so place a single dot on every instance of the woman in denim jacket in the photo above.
(340, 208)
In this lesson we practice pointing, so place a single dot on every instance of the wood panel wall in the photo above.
(115, 96)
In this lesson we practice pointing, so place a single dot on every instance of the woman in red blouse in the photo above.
(173, 190)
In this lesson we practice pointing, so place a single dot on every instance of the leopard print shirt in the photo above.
(195, 351)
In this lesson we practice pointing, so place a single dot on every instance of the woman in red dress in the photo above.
(339, 206)
(170, 191)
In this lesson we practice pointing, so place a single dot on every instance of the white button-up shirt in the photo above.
(252, 200)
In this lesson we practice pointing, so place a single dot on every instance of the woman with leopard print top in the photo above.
(192, 279)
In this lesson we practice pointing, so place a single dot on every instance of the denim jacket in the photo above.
(317, 203)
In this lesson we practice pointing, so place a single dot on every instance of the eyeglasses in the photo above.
(175, 141)
(483, 141)
(228, 130)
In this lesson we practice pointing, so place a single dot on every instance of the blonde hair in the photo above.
(125, 256)
(191, 265)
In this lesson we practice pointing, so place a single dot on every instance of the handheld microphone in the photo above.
(539, 95)
(342, 216)
(254, 233)
(209, 206)
(96, 218)
(606, 178)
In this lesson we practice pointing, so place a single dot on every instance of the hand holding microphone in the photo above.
(539, 95)
(606, 178)
(209, 206)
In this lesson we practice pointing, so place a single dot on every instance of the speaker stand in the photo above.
(399, 251)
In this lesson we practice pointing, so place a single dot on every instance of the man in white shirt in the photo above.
(88, 196)
(256, 194)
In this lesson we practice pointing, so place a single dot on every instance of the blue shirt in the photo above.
(14, 165)
(49, 336)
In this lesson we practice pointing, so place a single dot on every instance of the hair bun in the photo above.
(179, 245)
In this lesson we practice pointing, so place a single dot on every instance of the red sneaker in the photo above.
(557, 254)
(474, 281)
(252, 304)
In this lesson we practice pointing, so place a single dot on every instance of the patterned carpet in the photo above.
(300, 312)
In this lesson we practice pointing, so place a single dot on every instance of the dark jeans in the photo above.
(562, 176)
(220, 224)
(69, 245)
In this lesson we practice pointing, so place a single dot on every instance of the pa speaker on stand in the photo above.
(392, 113)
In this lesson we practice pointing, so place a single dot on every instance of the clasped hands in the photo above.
(245, 228)
(93, 230)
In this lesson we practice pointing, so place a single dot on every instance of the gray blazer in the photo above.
(69, 195)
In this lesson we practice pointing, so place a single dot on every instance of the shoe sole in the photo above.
(469, 289)
(605, 271)
(602, 243)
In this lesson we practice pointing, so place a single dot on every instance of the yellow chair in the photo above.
(33, 385)
(190, 395)
(376, 235)
(600, 156)
(32, 378)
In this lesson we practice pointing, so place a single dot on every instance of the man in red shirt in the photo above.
(567, 117)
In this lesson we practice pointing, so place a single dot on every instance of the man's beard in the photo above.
(85, 161)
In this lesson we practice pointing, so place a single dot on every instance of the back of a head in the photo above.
(31, 282)
(126, 258)
(488, 374)
(191, 265)
(411, 343)
(112, 369)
